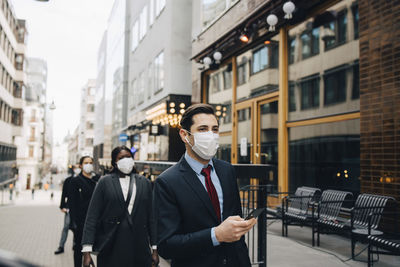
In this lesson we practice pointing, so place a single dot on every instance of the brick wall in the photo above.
(380, 96)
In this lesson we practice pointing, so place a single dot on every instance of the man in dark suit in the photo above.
(197, 201)
(65, 209)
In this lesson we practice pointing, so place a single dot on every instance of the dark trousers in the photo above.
(78, 247)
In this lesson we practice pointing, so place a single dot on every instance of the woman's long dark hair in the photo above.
(114, 155)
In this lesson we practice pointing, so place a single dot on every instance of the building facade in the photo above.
(298, 88)
(34, 144)
(87, 119)
(159, 84)
(12, 83)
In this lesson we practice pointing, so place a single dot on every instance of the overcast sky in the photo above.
(67, 34)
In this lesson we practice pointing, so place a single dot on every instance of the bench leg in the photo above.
(369, 255)
(313, 233)
(283, 225)
(318, 230)
(353, 246)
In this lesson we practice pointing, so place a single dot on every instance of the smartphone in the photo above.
(254, 213)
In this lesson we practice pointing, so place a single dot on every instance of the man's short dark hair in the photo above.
(187, 117)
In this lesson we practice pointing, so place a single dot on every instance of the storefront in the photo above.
(291, 95)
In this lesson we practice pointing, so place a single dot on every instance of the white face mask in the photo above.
(77, 171)
(125, 165)
(205, 144)
(88, 168)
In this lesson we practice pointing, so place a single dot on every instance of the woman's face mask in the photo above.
(77, 171)
(125, 165)
(88, 168)
(205, 144)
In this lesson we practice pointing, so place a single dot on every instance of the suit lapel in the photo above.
(191, 178)
(118, 191)
(224, 180)
(139, 193)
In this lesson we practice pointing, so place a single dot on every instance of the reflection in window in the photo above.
(159, 72)
(339, 28)
(228, 77)
(228, 114)
(224, 152)
(335, 86)
(292, 49)
(321, 155)
(135, 35)
(241, 74)
(355, 20)
(356, 82)
(270, 108)
(260, 59)
(310, 43)
(310, 92)
(214, 83)
(292, 99)
(244, 114)
(143, 23)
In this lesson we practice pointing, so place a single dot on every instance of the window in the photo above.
(214, 86)
(310, 92)
(143, 23)
(270, 108)
(151, 13)
(244, 114)
(310, 43)
(151, 83)
(339, 28)
(90, 108)
(228, 77)
(355, 20)
(160, 4)
(89, 125)
(32, 137)
(356, 82)
(241, 74)
(292, 98)
(132, 92)
(89, 141)
(335, 86)
(135, 35)
(159, 72)
(31, 151)
(292, 49)
(260, 59)
(265, 57)
(141, 82)
(212, 9)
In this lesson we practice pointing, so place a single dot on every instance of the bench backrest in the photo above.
(302, 198)
(331, 203)
(366, 204)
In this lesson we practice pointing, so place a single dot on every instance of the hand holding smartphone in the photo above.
(254, 213)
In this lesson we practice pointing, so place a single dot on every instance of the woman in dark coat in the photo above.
(120, 217)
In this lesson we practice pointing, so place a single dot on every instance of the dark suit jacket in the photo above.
(81, 190)
(108, 204)
(185, 217)
(65, 193)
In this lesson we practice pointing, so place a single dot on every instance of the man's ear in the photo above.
(183, 134)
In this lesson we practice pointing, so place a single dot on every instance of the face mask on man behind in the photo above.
(205, 144)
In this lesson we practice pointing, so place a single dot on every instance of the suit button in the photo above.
(224, 262)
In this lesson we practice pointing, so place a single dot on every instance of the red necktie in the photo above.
(211, 191)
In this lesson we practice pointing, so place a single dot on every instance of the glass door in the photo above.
(244, 133)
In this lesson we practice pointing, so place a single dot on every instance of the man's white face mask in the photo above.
(205, 144)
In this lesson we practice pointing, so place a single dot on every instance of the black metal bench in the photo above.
(388, 243)
(298, 209)
(330, 211)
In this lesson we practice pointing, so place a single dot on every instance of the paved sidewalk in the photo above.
(32, 229)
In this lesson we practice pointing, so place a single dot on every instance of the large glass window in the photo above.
(335, 86)
(214, 83)
(292, 49)
(260, 59)
(310, 92)
(228, 77)
(241, 74)
(325, 155)
(292, 97)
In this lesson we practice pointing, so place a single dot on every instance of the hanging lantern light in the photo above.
(217, 56)
(207, 61)
(288, 8)
(272, 20)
